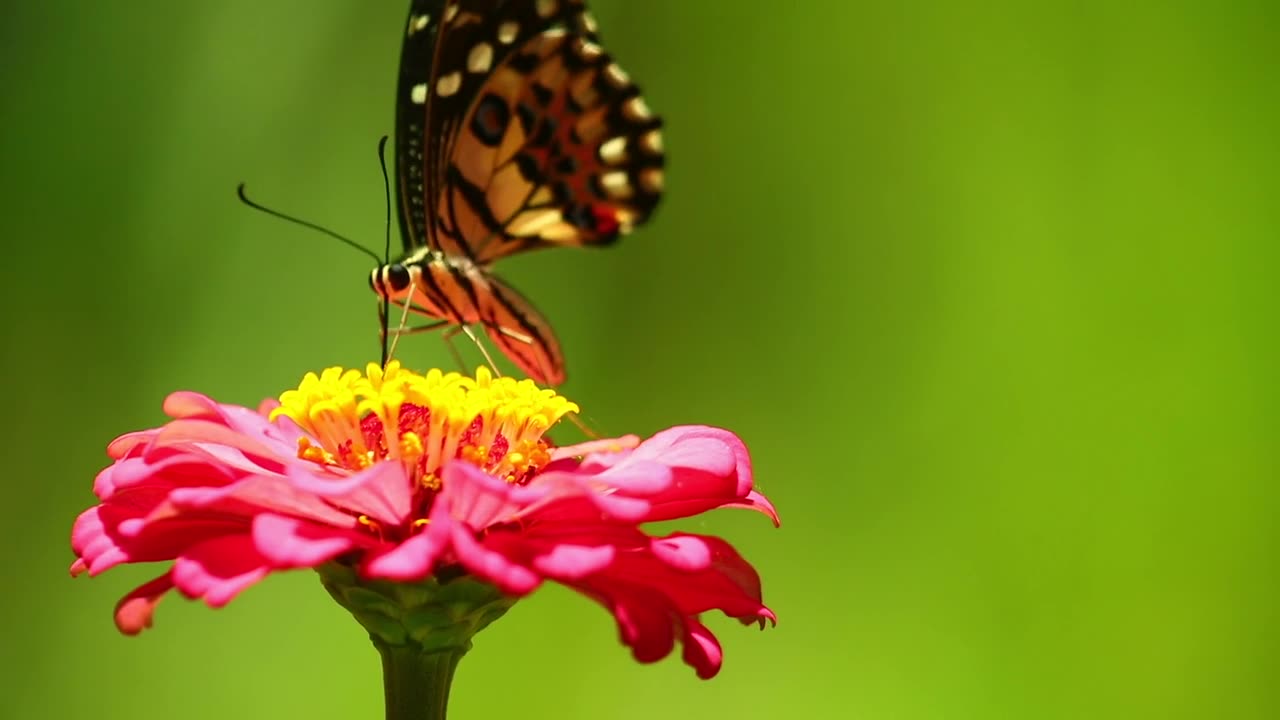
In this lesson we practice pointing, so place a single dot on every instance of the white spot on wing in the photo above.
(636, 109)
(616, 76)
(588, 50)
(652, 180)
(507, 32)
(530, 222)
(449, 84)
(616, 184)
(614, 150)
(419, 94)
(652, 142)
(480, 57)
(418, 23)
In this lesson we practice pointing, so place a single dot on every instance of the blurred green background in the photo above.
(988, 289)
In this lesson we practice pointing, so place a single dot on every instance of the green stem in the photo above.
(416, 682)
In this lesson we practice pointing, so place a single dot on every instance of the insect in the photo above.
(515, 131)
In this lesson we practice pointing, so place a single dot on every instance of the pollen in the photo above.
(410, 446)
(475, 454)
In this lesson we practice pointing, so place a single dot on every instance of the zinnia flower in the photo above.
(390, 480)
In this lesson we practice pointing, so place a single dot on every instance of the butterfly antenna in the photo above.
(384, 307)
(298, 221)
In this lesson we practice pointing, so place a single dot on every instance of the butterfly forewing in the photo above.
(412, 99)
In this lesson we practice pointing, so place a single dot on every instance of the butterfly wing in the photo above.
(515, 130)
(517, 328)
(534, 137)
(417, 55)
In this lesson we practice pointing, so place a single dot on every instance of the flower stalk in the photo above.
(416, 682)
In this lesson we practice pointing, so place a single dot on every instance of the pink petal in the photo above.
(288, 542)
(99, 536)
(413, 559)
(176, 471)
(383, 491)
(130, 443)
(182, 433)
(682, 552)
(188, 404)
(701, 448)
(478, 499)
(260, 493)
(571, 498)
(217, 570)
(572, 562)
(645, 624)
(701, 649)
(493, 566)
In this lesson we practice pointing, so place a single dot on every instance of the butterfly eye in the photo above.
(397, 277)
(390, 279)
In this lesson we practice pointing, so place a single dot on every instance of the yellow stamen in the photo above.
(410, 446)
(313, 453)
(371, 524)
(355, 419)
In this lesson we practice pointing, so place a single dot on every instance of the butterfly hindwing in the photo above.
(558, 148)
(521, 332)
(516, 131)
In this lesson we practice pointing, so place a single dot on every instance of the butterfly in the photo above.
(515, 131)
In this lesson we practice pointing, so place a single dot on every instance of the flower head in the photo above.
(404, 477)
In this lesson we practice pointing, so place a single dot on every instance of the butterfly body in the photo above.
(459, 292)
(515, 131)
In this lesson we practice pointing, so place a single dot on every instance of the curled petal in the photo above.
(759, 503)
(135, 611)
(701, 649)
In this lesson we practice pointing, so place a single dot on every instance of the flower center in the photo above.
(423, 421)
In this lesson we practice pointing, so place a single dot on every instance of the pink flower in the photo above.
(403, 476)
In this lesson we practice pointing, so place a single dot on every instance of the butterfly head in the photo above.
(391, 280)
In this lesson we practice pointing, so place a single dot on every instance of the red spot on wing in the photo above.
(606, 219)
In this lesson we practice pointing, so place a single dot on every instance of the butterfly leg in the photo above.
(429, 327)
(452, 332)
(583, 426)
